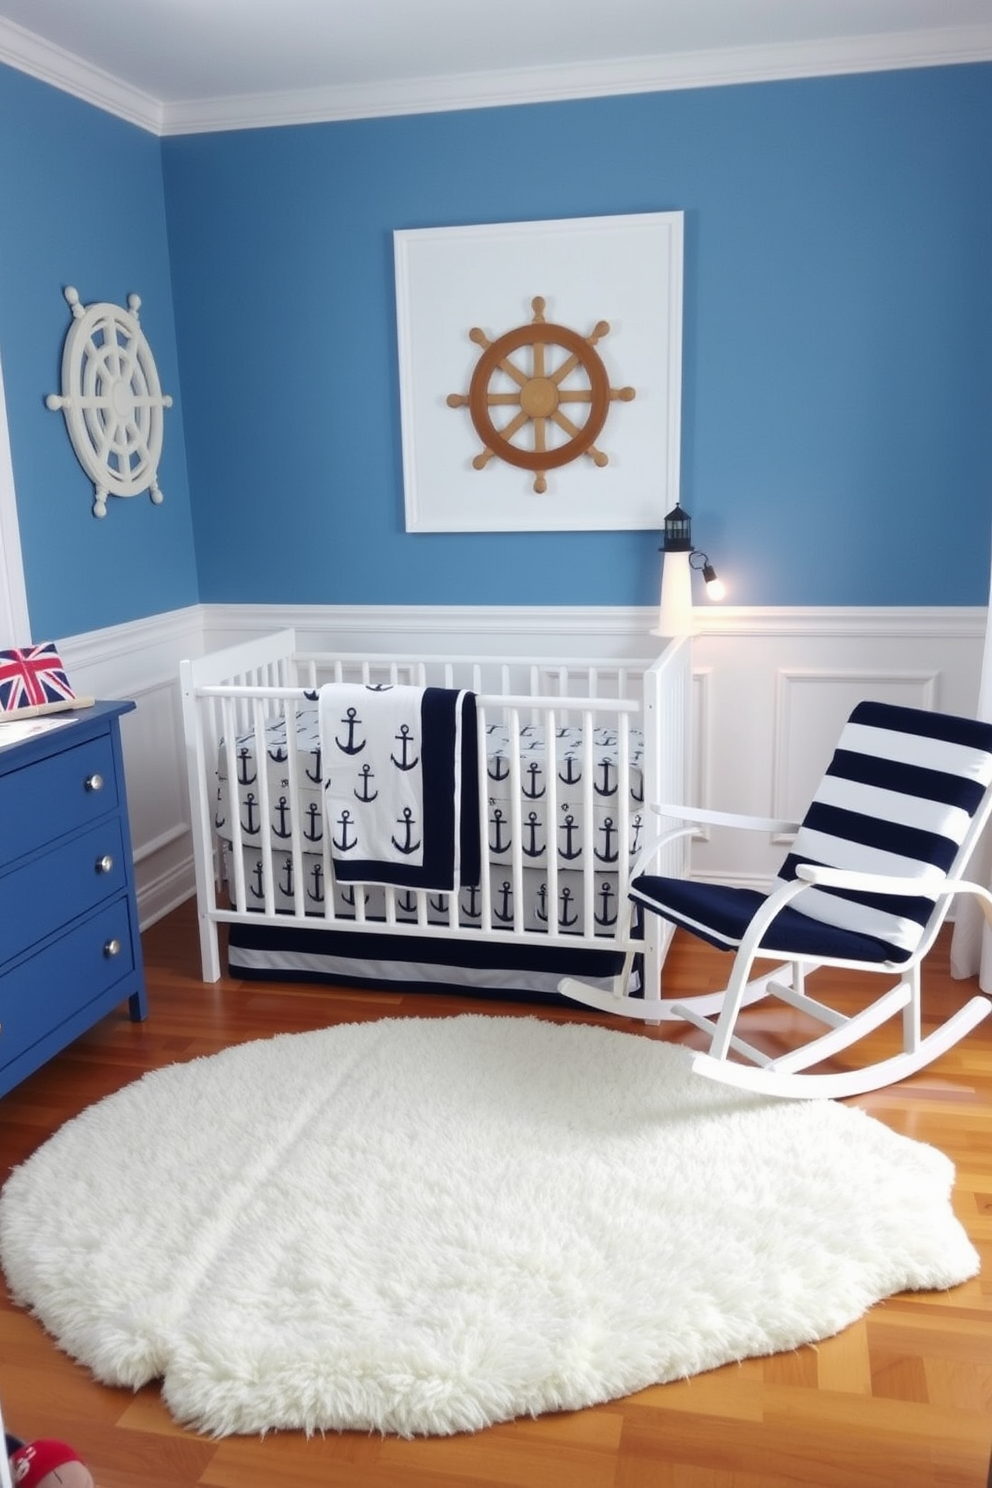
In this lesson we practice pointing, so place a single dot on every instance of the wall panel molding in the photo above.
(784, 681)
(701, 752)
(140, 661)
(871, 621)
(632, 622)
(488, 629)
(811, 707)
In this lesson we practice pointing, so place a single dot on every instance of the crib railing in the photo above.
(245, 689)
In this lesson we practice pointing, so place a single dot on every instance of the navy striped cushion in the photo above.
(897, 797)
(721, 915)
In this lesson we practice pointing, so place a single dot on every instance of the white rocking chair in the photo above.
(874, 867)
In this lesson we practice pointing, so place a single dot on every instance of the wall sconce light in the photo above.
(680, 558)
(715, 587)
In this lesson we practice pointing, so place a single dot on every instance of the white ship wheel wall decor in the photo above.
(112, 400)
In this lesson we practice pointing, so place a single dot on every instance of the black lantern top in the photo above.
(678, 531)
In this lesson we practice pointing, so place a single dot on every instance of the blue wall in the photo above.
(838, 338)
(81, 203)
(837, 441)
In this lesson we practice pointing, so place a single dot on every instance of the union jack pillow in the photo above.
(32, 678)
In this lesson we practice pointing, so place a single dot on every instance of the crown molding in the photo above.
(41, 59)
(703, 69)
(951, 45)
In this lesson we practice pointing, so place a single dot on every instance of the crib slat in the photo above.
(551, 851)
(289, 717)
(516, 821)
(229, 735)
(485, 885)
(264, 807)
(589, 820)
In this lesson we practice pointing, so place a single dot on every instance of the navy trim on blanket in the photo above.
(450, 796)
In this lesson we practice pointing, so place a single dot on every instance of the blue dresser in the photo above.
(69, 944)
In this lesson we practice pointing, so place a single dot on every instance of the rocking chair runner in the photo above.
(874, 867)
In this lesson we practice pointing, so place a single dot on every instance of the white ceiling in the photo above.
(174, 61)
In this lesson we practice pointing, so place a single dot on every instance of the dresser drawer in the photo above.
(58, 795)
(46, 990)
(56, 887)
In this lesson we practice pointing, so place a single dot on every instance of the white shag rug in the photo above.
(429, 1225)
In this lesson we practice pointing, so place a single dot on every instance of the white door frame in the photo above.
(15, 625)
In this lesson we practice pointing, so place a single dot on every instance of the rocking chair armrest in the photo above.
(932, 881)
(695, 816)
(725, 818)
(652, 850)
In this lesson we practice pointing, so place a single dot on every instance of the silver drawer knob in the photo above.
(112, 947)
(93, 782)
(104, 864)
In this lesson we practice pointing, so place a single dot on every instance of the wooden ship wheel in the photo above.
(560, 368)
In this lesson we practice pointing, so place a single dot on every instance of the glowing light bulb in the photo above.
(715, 587)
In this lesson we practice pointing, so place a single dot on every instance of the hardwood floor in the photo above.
(904, 1397)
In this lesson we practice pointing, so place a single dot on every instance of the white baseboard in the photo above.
(162, 893)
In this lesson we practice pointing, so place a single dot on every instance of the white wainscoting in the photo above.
(141, 661)
(771, 689)
(473, 630)
(776, 686)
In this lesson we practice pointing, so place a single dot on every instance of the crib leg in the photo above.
(210, 967)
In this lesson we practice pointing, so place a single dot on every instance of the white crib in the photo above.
(537, 914)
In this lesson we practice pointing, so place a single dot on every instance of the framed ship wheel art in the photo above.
(540, 373)
(532, 372)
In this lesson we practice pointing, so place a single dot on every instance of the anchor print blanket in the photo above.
(400, 787)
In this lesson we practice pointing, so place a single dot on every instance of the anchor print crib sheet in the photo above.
(570, 830)
(568, 916)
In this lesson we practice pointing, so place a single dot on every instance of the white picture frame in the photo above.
(624, 270)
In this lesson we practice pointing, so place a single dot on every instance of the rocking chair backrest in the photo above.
(907, 791)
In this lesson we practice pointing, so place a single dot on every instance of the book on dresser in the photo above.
(70, 950)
